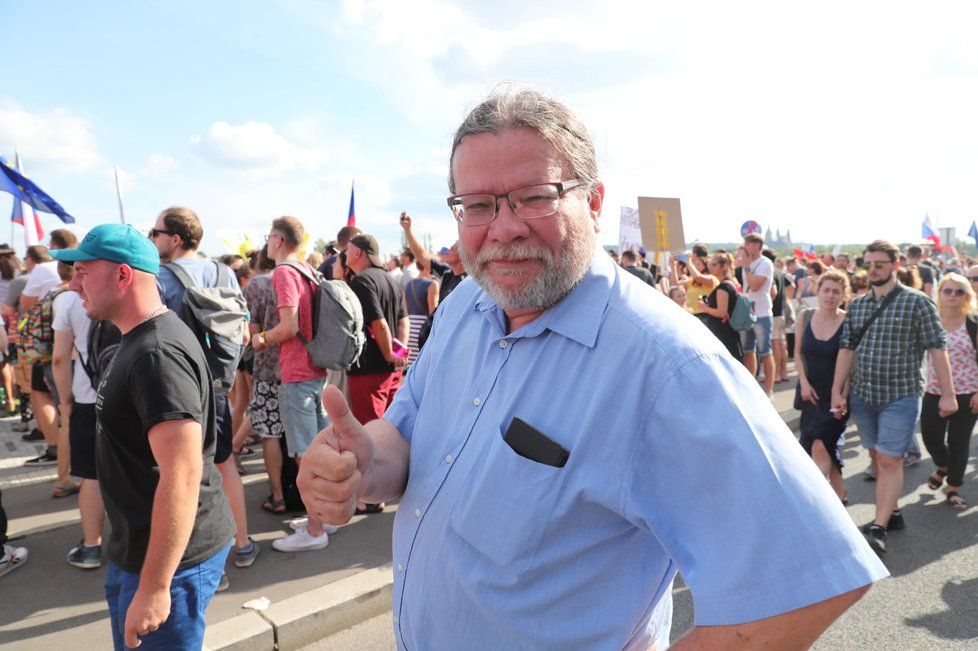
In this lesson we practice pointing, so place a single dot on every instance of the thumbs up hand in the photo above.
(332, 471)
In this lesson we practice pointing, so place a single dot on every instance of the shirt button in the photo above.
(503, 343)
(448, 458)
(417, 513)
(476, 402)
(400, 568)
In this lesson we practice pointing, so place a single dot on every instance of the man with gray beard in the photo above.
(547, 496)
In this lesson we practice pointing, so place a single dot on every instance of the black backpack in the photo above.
(104, 339)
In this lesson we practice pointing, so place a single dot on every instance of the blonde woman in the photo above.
(817, 335)
(948, 439)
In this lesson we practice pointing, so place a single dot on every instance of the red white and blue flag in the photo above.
(34, 233)
(351, 218)
(928, 232)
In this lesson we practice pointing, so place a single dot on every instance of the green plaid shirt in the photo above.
(889, 360)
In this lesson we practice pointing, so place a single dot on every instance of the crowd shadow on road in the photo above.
(960, 620)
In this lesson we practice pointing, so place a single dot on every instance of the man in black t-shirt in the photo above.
(629, 262)
(377, 374)
(155, 442)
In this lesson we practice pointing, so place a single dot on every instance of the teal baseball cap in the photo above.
(119, 243)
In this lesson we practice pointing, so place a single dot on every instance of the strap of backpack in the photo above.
(305, 273)
(181, 275)
(806, 317)
(223, 274)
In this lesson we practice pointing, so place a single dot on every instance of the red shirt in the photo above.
(293, 290)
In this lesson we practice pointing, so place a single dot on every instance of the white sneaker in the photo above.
(301, 541)
(13, 557)
(299, 524)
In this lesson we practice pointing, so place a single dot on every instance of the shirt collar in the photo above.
(578, 315)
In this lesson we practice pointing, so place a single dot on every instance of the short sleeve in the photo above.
(369, 300)
(61, 317)
(176, 395)
(765, 268)
(439, 269)
(752, 525)
(287, 289)
(930, 334)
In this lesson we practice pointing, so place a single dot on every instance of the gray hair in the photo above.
(508, 108)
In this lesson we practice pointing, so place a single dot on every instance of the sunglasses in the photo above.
(973, 279)
(153, 232)
(948, 291)
(875, 265)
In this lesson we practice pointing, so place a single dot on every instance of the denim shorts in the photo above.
(886, 428)
(758, 339)
(190, 593)
(300, 405)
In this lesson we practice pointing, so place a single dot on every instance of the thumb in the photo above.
(348, 429)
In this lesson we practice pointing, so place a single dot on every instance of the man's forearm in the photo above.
(942, 369)
(843, 366)
(388, 473)
(420, 253)
(174, 510)
(61, 369)
(382, 335)
(796, 629)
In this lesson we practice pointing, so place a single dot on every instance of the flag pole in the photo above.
(118, 194)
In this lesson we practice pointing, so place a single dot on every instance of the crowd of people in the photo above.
(133, 353)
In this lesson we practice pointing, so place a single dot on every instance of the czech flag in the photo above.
(351, 218)
(928, 232)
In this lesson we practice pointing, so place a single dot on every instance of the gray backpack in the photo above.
(337, 322)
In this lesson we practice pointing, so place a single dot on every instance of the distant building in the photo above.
(777, 240)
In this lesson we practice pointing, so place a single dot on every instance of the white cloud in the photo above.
(253, 148)
(159, 165)
(54, 139)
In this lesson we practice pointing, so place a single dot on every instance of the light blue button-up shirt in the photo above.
(677, 461)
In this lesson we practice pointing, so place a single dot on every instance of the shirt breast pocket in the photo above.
(506, 507)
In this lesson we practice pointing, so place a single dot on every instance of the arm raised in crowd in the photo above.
(421, 254)
(349, 461)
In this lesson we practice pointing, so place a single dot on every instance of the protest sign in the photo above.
(629, 233)
(661, 223)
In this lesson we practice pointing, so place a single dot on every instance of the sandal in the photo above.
(65, 489)
(278, 507)
(934, 481)
(369, 509)
(956, 501)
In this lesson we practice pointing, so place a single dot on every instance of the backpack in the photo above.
(337, 322)
(37, 336)
(218, 317)
(742, 313)
(104, 340)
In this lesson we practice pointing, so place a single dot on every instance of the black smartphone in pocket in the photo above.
(529, 442)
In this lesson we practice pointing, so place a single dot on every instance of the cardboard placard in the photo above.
(661, 221)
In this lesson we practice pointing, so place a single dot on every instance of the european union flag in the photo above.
(17, 184)
(973, 232)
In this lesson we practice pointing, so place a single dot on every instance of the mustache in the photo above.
(513, 251)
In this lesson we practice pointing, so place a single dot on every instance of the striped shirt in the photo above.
(889, 359)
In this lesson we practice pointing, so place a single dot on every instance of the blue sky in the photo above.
(844, 125)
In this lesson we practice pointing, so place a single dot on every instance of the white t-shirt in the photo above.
(42, 279)
(70, 316)
(762, 297)
(408, 274)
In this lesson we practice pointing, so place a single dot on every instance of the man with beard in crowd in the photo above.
(536, 482)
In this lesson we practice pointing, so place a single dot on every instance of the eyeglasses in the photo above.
(875, 265)
(272, 235)
(948, 291)
(528, 202)
(153, 232)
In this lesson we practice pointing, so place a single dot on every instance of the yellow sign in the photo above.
(661, 222)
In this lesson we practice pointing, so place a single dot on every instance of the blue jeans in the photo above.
(300, 406)
(190, 594)
(886, 428)
(758, 338)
